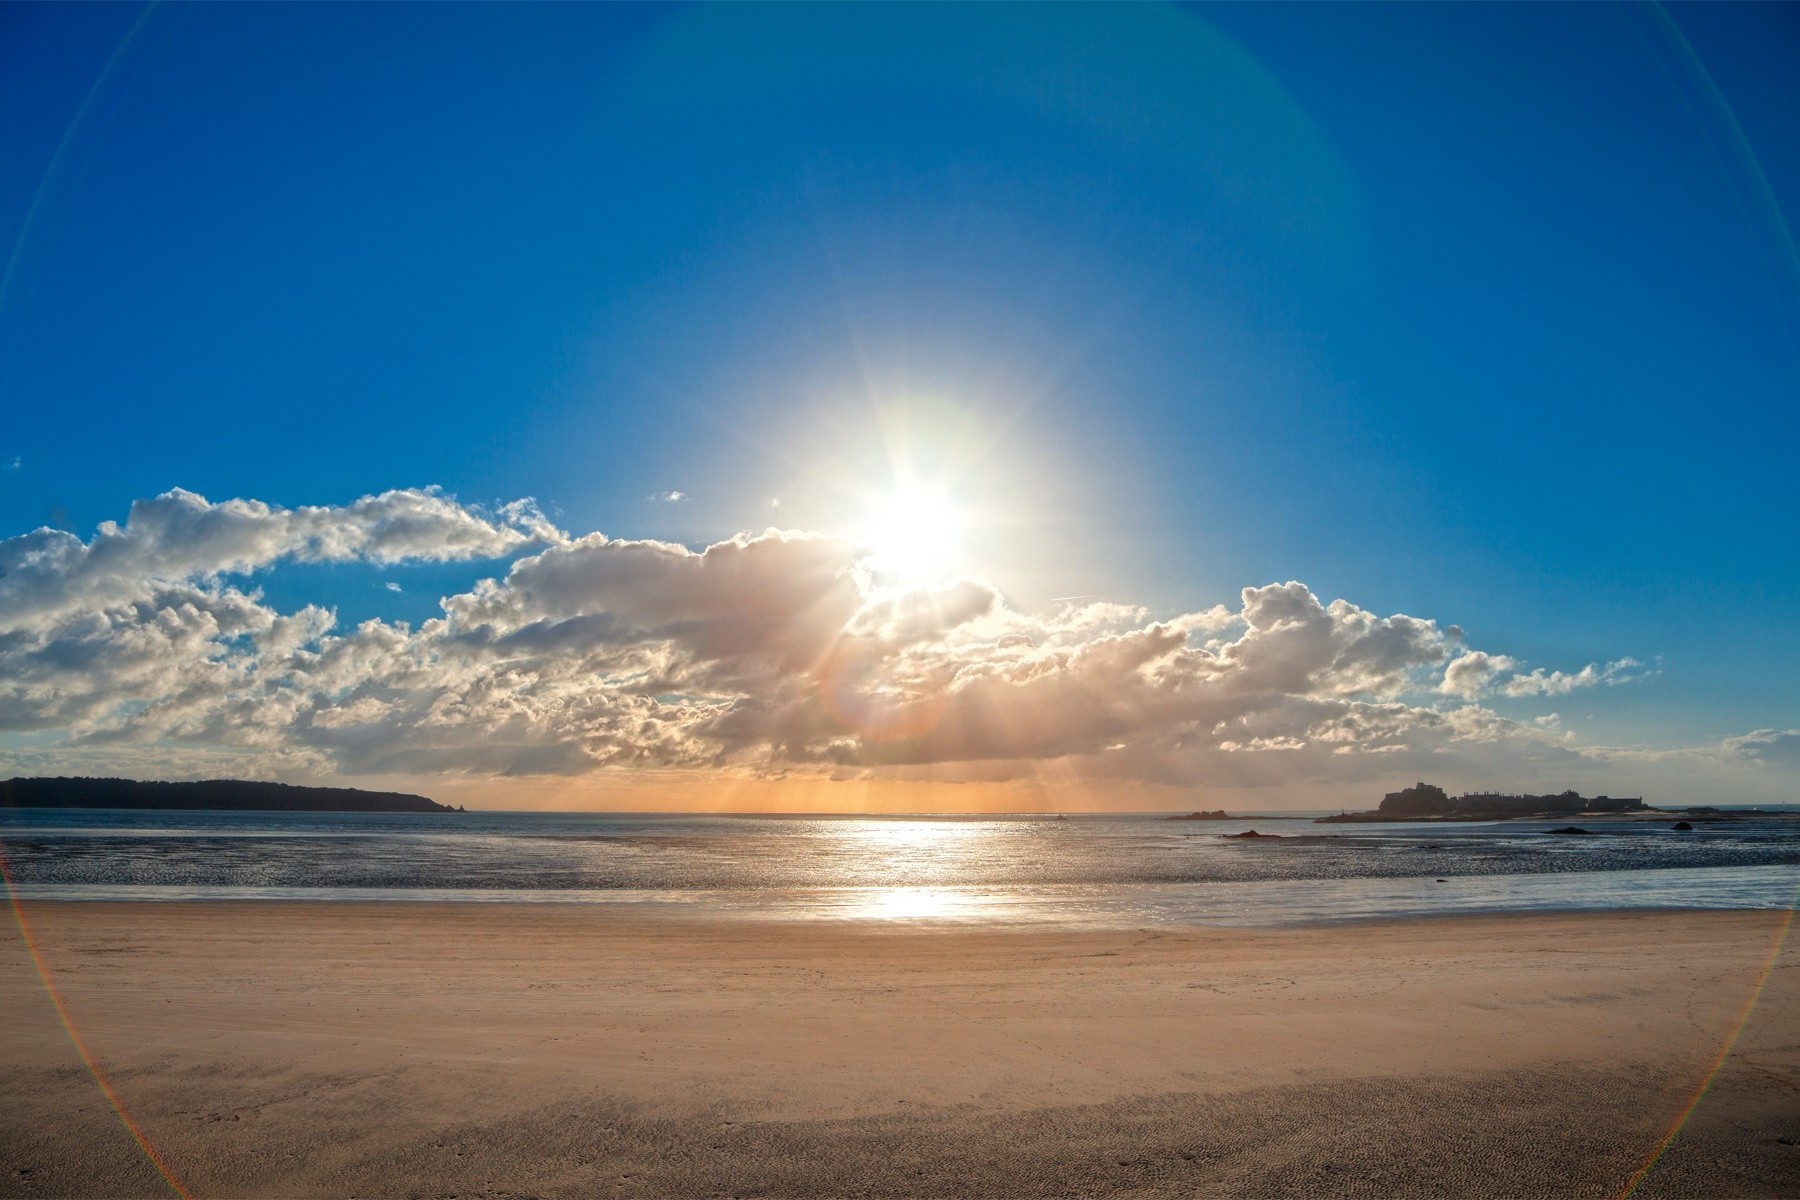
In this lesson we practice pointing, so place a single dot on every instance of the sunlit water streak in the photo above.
(1087, 871)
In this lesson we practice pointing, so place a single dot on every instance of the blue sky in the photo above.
(1485, 314)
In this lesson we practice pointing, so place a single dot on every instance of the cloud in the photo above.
(1772, 747)
(668, 497)
(1559, 683)
(1469, 675)
(180, 537)
(1475, 673)
(763, 653)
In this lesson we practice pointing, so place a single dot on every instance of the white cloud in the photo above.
(180, 537)
(1560, 683)
(1773, 747)
(1469, 675)
(764, 652)
(669, 497)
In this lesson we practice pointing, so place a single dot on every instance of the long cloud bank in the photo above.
(773, 652)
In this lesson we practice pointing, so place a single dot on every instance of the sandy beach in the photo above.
(276, 1049)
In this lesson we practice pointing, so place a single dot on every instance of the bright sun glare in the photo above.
(914, 534)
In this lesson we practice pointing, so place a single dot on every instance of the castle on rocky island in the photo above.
(1426, 801)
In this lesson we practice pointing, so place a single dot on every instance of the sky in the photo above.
(918, 408)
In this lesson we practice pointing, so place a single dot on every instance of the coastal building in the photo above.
(1429, 800)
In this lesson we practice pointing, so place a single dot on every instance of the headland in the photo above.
(205, 794)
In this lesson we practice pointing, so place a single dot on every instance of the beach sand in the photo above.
(281, 1049)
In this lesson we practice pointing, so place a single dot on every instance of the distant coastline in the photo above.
(208, 794)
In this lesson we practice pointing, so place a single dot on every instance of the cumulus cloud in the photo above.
(180, 537)
(765, 652)
(1470, 675)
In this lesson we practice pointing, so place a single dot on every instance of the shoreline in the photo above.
(1237, 904)
(626, 918)
(321, 1049)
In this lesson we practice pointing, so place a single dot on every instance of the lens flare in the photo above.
(88, 1060)
(1729, 1044)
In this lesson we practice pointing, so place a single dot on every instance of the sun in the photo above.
(914, 535)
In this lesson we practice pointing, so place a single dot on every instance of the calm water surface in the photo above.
(1101, 871)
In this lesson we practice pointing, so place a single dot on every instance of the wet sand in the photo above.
(386, 1049)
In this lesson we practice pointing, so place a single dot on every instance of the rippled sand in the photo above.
(389, 1049)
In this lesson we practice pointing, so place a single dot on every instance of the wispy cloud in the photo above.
(1774, 747)
(1476, 673)
(1560, 683)
(668, 497)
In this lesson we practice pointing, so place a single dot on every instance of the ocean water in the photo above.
(1083, 871)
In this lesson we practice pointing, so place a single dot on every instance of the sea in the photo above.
(1080, 871)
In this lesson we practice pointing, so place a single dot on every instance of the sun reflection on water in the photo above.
(916, 904)
(892, 835)
(929, 854)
